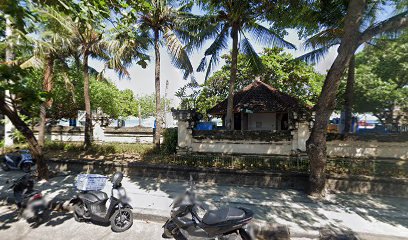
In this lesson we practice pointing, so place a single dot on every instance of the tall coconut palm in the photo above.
(236, 20)
(90, 40)
(163, 22)
(53, 45)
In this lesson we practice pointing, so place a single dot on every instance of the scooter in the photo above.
(91, 205)
(224, 223)
(20, 159)
(27, 198)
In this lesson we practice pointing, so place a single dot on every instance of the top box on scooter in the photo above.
(90, 182)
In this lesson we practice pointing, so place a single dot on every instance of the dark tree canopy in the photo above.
(280, 70)
(382, 79)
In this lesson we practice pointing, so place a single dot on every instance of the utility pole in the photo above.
(8, 126)
(140, 115)
(165, 103)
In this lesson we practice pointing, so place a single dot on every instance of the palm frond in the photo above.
(327, 37)
(211, 64)
(220, 43)
(254, 60)
(32, 62)
(199, 29)
(266, 36)
(203, 64)
(177, 52)
(315, 56)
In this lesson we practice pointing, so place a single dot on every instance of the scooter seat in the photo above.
(222, 215)
(93, 196)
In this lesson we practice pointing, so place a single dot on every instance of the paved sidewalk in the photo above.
(62, 226)
(365, 217)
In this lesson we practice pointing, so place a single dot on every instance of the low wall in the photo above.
(298, 181)
(241, 147)
(108, 134)
(362, 149)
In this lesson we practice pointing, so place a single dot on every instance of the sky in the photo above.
(141, 81)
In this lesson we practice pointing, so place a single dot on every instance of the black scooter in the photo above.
(91, 205)
(223, 223)
(27, 198)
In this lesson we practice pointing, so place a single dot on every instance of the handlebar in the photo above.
(14, 183)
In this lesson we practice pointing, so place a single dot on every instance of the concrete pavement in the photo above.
(364, 217)
(63, 226)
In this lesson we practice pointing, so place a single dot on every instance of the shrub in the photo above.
(104, 148)
(169, 145)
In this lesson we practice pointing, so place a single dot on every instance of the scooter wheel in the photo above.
(78, 207)
(77, 218)
(244, 234)
(179, 236)
(26, 167)
(121, 220)
(39, 219)
(5, 167)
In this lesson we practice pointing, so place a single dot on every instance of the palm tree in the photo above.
(91, 40)
(54, 45)
(163, 23)
(330, 36)
(238, 20)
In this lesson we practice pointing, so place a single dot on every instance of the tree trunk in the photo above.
(87, 99)
(47, 87)
(157, 89)
(36, 149)
(316, 144)
(229, 119)
(348, 96)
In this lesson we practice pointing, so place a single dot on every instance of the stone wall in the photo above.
(101, 134)
(289, 142)
(242, 142)
(354, 184)
(241, 147)
(363, 149)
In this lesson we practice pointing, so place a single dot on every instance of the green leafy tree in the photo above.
(280, 70)
(147, 104)
(14, 49)
(54, 44)
(86, 23)
(382, 79)
(234, 19)
(332, 21)
(353, 35)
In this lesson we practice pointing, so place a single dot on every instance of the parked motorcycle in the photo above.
(28, 199)
(91, 205)
(224, 223)
(20, 159)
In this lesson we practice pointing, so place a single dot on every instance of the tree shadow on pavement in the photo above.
(284, 206)
(7, 219)
(56, 191)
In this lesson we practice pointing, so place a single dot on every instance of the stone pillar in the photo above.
(303, 134)
(184, 137)
(98, 133)
(300, 135)
(294, 134)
